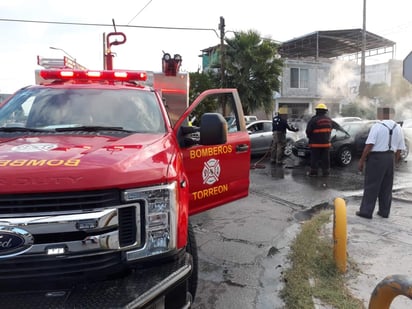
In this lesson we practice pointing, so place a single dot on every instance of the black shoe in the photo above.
(379, 214)
(359, 214)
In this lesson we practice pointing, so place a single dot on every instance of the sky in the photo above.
(148, 36)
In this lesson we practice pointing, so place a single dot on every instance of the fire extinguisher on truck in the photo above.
(98, 183)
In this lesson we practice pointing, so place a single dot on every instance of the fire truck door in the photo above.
(218, 174)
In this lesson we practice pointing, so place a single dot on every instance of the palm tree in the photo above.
(253, 66)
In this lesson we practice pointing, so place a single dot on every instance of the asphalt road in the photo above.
(243, 245)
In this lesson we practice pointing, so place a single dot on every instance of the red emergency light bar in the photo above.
(124, 76)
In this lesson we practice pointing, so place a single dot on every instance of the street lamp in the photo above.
(222, 51)
(66, 53)
(70, 61)
(61, 49)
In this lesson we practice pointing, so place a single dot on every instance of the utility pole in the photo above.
(222, 51)
(104, 51)
(362, 85)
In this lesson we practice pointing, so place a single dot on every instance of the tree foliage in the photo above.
(200, 82)
(253, 66)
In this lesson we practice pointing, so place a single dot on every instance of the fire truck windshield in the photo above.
(50, 108)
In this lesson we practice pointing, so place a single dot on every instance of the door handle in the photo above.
(242, 148)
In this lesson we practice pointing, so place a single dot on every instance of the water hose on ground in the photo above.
(257, 164)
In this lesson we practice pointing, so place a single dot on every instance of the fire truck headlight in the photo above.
(160, 216)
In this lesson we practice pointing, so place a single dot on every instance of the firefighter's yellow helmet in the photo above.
(283, 111)
(321, 106)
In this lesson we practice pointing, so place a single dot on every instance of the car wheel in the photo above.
(344, 156)
(191, 248)
(288, 148)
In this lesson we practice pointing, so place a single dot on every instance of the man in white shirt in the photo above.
(382, 148)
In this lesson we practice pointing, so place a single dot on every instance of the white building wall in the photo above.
(335, 82)
(377, 73)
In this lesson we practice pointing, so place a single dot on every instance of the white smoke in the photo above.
(403, 108)
(341, 84)
(340, 81)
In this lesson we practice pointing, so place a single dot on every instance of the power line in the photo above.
(105, 25)
(139, 12)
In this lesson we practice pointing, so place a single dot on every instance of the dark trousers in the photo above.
(378, 183)
(319, 157)
(278, 146)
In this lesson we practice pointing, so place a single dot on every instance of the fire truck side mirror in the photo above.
(171, 66)
(213, 129)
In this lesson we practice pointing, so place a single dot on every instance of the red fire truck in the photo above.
(97, 186)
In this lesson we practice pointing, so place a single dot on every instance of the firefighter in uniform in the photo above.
(318, 132)
(279, 126)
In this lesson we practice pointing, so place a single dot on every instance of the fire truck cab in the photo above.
(98, 183)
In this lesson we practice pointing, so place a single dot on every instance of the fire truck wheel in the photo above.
(191, 248)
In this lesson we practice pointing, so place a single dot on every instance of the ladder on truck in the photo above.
(59, 63)
(56, 63)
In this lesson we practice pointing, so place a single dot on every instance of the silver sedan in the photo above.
(260, 133)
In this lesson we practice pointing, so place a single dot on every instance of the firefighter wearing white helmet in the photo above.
(279, 127)
(318, 131)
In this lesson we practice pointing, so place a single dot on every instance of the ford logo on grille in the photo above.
(14, 241)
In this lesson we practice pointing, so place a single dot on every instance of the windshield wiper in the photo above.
(22, 129)
(92, 129)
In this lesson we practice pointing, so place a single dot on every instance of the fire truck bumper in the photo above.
(162, 286)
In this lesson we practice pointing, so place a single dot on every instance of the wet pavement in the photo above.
(243, 246)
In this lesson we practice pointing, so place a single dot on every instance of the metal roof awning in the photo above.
(334, 44)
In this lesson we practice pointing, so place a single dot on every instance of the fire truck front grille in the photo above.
(23, 204)
(127, 226)
(62, 267)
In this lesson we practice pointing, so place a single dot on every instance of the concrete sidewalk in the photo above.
(380, 247)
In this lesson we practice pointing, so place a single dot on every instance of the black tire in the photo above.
(191, 248)
(344, 156)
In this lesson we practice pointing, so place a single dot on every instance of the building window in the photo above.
(299, 78)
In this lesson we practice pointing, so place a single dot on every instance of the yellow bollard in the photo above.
(390, 287)
(340, 234)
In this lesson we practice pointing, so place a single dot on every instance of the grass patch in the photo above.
(313, 272)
